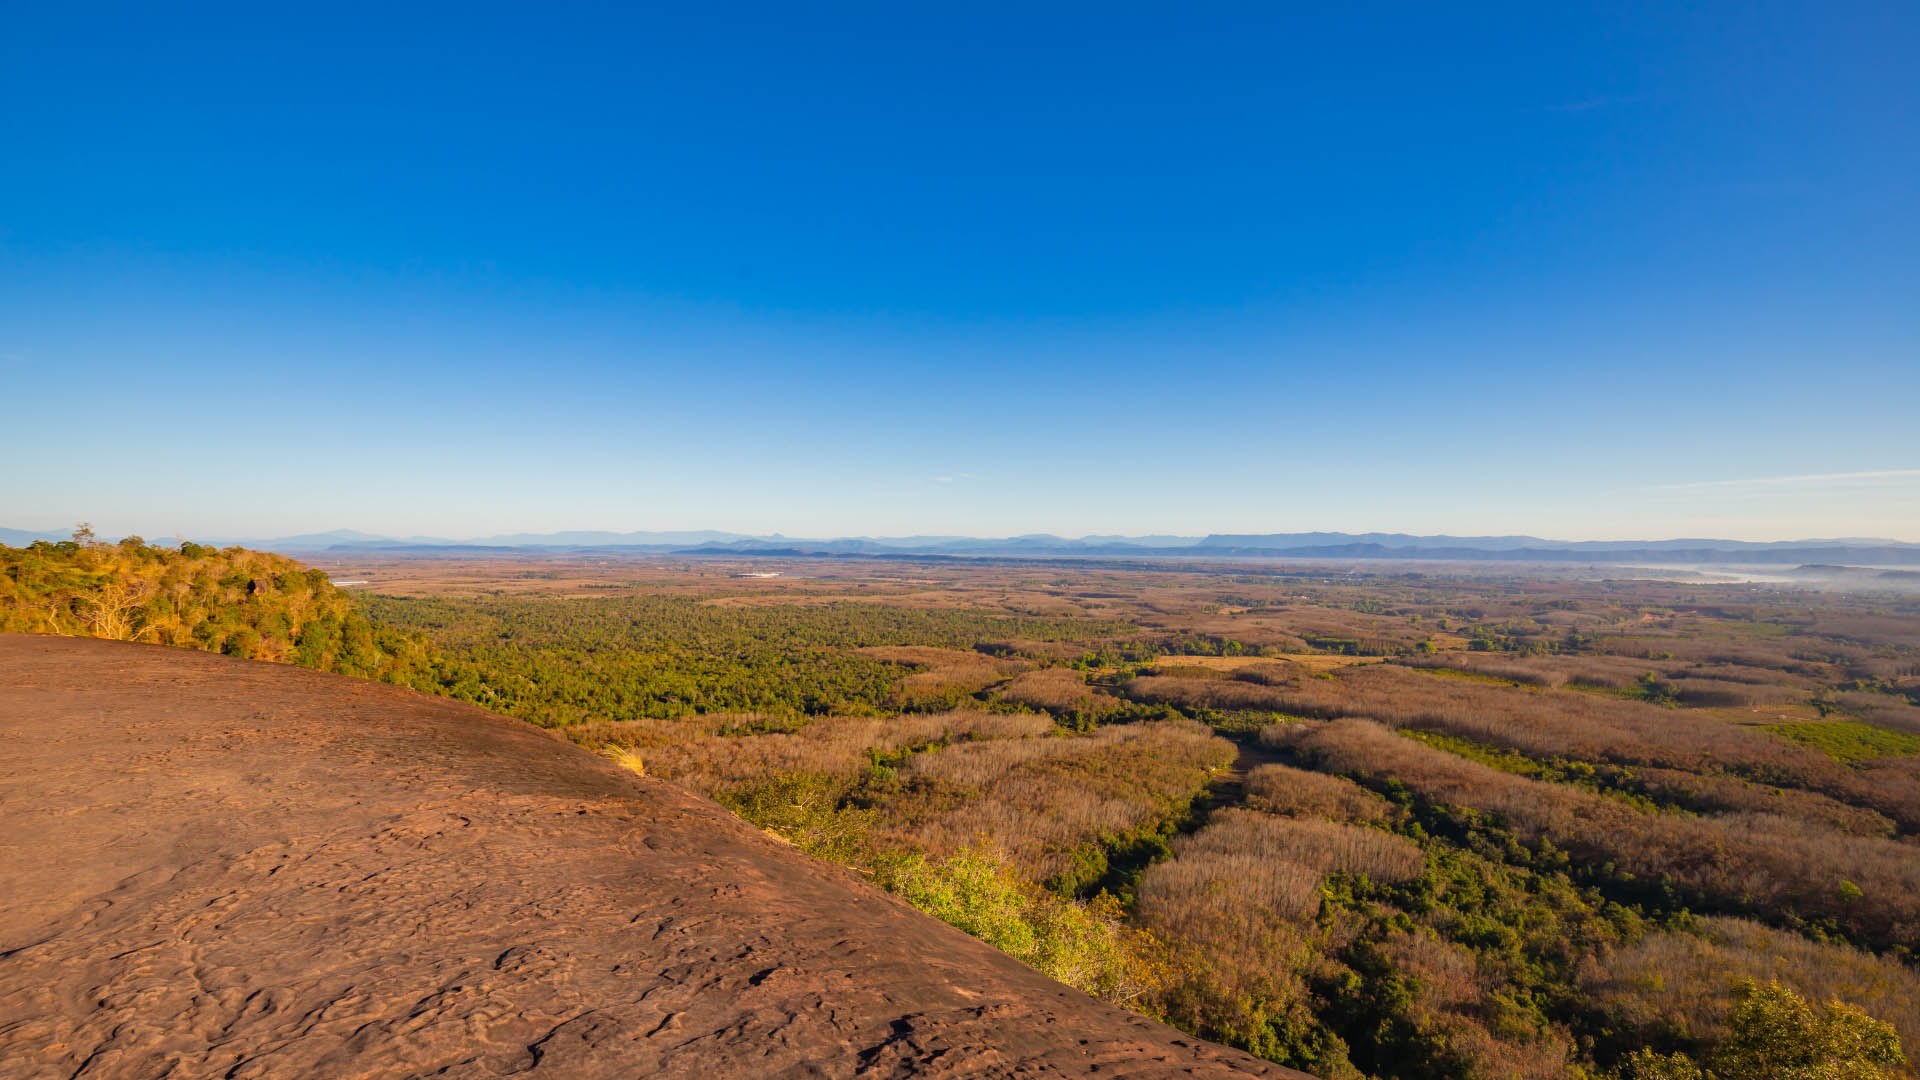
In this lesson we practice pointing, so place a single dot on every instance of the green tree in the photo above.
(1777, 1035)
(1657, 690)
(1774, 1034)
(1645, 1064)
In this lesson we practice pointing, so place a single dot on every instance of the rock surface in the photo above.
(212, 867)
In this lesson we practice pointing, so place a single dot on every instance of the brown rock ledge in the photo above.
(212, 867)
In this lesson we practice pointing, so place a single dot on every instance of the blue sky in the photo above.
(1583, 272)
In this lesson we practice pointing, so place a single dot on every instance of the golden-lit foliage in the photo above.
(1682, 985)
(1057, 690)
(1560, 723)
(840, 747)
(1740, 862)
(1282, 789)
(945, 676)
(1719, 793)
(248, 604)
(1272, 862)
(1048, 806)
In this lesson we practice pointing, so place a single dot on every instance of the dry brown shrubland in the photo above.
(1179, 896)
(1451, 997)
(1282, 789)
(1039, 650)
(1728, 794)
(1778, 653)
(1271, 673)
(1386, 633)
(1208, 693)
(1236, 906)
(1578, 620)
(648, 732)
(1240, 960)
(1545, 672)
(1760, 862)
(1254, 631)
(979, 765)
(1285, 736)
(1053, 689)
(1885, 667)
(1247, 858)
(1897, 778)
(1325, 846)
(1686, 984)
(1549, 724)
(1176, 667)
(832, 746)
(1883, 709)
(1034, 802)
(1740, 674)
(1527, 671)
(947, 672)
(1868, 629)
(1723, 693)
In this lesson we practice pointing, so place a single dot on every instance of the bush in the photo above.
(1776, 1035)
(1085, 946)
(241, 643)
(1849, 740)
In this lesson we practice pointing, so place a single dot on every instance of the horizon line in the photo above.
(1191, 539)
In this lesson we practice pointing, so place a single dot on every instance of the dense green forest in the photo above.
(1388, 826)
(563, 661)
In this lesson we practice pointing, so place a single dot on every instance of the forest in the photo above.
(1414, 824)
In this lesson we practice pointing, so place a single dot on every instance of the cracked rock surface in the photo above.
(218, 868)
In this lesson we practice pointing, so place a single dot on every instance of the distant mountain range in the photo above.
(1308, 545)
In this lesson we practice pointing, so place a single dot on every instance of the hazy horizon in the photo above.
(776, 534)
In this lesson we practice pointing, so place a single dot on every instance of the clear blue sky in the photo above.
(1628, 270)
